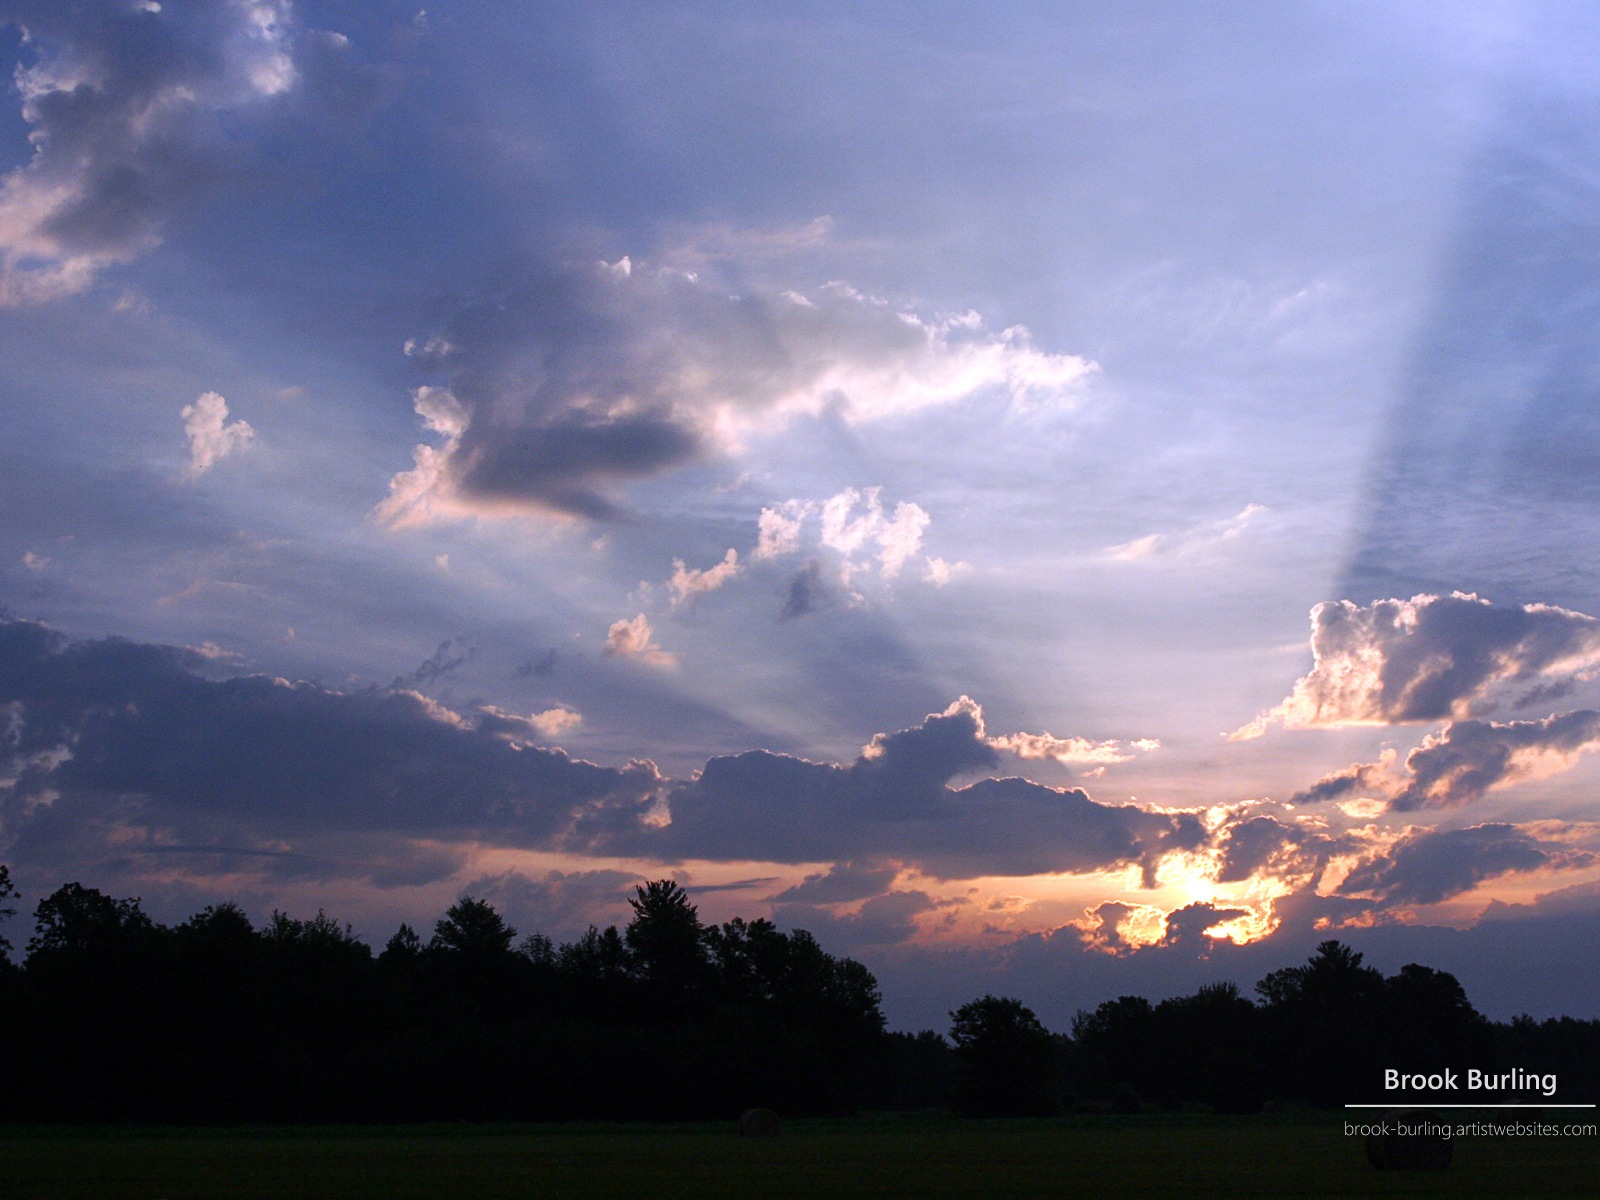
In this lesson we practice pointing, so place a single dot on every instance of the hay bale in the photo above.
(1410, 1143)
(758, 1122)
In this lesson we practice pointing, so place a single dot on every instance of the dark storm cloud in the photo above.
(117, 731)
(1428, 658)
(896, 802)
(115, 741)
(129, 107)
(1433, 865)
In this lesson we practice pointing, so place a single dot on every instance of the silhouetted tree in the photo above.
(474, 929)
(1325, 1025)
(664, 938)
(7, 892)
(1429, 1022)
(78, 920)
(916, 1071)
(1115, 1047)
(404, 947)
(1005, 1059)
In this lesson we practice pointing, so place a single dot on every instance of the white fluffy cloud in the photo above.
(855, 524)
(1427, 658)
(212, 436)
(780, 528)
(896, 536)
(686, 582)
(635, 639)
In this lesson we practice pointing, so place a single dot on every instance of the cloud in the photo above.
(897, 536)
(1250, 846)
(544, 665)
(532, 729)
(634, 639)
(211, 436)
(939, 572)
(113, 748)
(1428, 866)
(840, 884)
(117, 745)
(1185, 543)
(1463, 761)
(885, 920)
(35, 562)
(857, 528)
(572, 383)
(1074, 751)
(1426, 659)
(780, 528)
(123, 101)
(1069, 751)
(1467, 758)
(686, 584)
(895, 803)
(808, 591)
(1358, 779)
(452, 653)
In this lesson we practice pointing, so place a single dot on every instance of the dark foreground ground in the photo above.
(1187, 1155)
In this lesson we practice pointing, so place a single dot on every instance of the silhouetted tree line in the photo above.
(1322, 1034)
(112, 1017)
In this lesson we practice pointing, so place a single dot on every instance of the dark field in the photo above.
(1148, 1156)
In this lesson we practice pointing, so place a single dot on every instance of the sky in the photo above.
(1057, 500)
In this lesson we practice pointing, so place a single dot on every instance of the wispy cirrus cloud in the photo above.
(1185, 543)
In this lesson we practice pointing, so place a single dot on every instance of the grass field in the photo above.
(1187, 1155)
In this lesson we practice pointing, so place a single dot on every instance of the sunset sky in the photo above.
(1057, 500)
